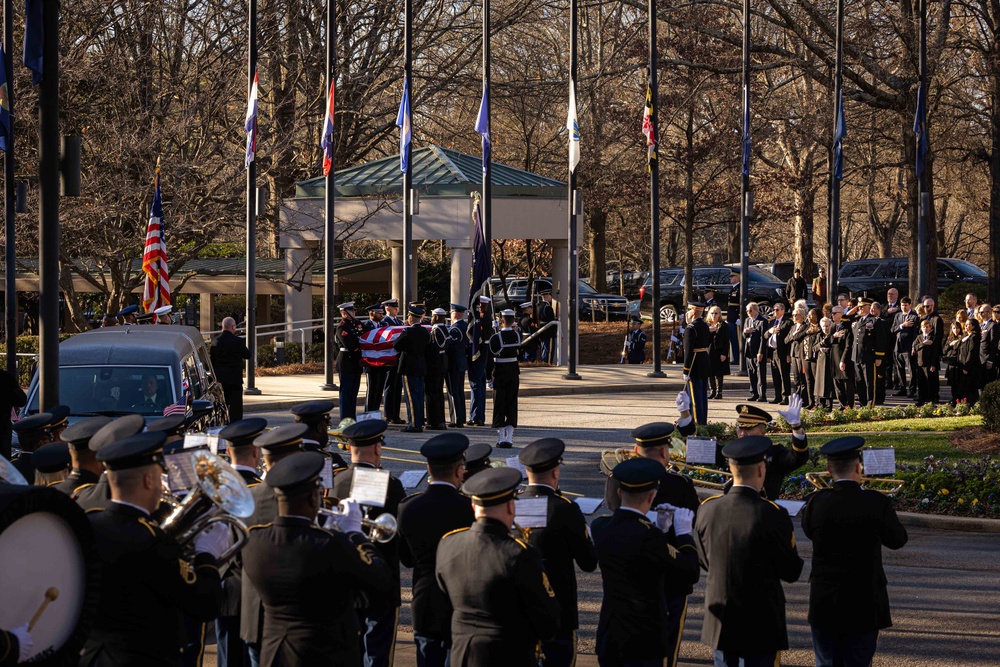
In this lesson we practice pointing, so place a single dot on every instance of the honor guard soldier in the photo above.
(392, 396)
(97, 495)
(52, 463)
(412, 347)
(275, 446)
(528, 326)
(163, 315)
(477, 459)
(869, 350)
(848, 526)
(458, 363)
(374, 375)
(375, 315)
(781, 461)
(747, 545)
(424, 518)
(86, 468)
(437, 370)
(697, 365)
(146, 585)
(637, 561)
(503, 604)
(480, 332)
(635, 343)
(379, 618)
(35, 431)
(545, 315)
(127, 314)
(503, 371)
(563, 541)
(349, 333)
(308, 577)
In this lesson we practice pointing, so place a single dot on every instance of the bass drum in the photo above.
(47, 550)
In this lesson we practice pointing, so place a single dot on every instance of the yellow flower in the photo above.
(944, 492)
(923, 488)
(975, 501)
(961, 501)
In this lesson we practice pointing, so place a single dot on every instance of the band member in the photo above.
(52, 462)
(316, 416)
(437, 370)
(412, 366)
(848, 526)
(747, 545)
(781, 461)
(35, 431)
(458, 363)
(146, 585)
(391, 398)
(563, 541)
(307, 576)
(424, 518)
(15, 645)
(636, 561)
(86, 469)
(697, 366)
(380, 618)
(97, 495)
(480, 333)
(477, 459)
(348, 334)
(502, 602)
(503, 371)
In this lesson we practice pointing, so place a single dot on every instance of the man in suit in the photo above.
(229, 358)
(779, 351)
(380, 616)
(638, 564)
(842, 339)
(412, 366)
(480, 332)
(308, 577)
(391, 397)
(868, 354)
(990, 347)
(697, 365)
(564, 542)
(458, 364)
(848, 526)
(882, 371)
(796, 287)
(747, 545)
(926, 360)
(971, 303)
(755, 352)
(888, 314)
(938, 334)
(424, 518)
(502, 601)
(905, 326)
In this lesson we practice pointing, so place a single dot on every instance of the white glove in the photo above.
(793, 415)
(350, 522)
(664, 516)
(683, 402)
(687, 378)
(683, 521)
(489, 384)
(213, 541)
(24, 642)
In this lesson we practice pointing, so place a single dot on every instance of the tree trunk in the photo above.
(689, 214)
(994, 266)
(599, 249)
(805, 208)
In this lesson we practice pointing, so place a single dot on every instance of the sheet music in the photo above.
(588, 505)
(531, 512)
(326, 476)
(793, 507)
(700, 450)
(370, 486)
(412, 478)
(196, 440)
(180, 472)
(880, 461)
(512, 462)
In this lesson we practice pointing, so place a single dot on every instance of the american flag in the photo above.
(376, 346)
(327, 142)
(154, 259)
(178, 408)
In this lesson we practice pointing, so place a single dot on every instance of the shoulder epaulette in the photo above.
(82, 487)
(259, 525)
(457, 530)
(94, 509)
(312, 525)
(150, 526)
(565, 498)
(250, 485)
(712, 498)
(524, 545)
(54, 483)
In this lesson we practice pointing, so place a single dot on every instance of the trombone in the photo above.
(887, 485)
(381, 529)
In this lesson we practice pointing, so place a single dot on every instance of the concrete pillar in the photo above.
(206, 310)
(461, 270)
(298, 302)
(560, 279)
(397, 273)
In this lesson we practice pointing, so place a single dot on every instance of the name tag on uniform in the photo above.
(880, 461)
(370, 486)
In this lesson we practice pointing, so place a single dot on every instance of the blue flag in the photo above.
(34, 38)
(920, 129)
(483, 128)
(4, 102)
(746, 130)
(839, 132)
(403, 121)
(480, 256)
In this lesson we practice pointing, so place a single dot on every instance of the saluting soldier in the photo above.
(458, 363)
(97, 495)
(392, 397)
(375, 376)
(869, 350)
(503, 604)
(412, 347)
(348, 334)
(437, 370)
(848, 526)
(480, 333)
(637, 564)
(477, 459)
(380, 617)
(697, 365)
(635, 343)
(503, 370)
(781, 461)
(146, 585)
(424, 518)
(563, 541)
(35, 431)
(748, 547)
(841, 351)
(86, 468)
(308, 576)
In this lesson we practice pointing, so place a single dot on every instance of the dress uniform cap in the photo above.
(542, 455)
(445, 448)
(477, 457)
(172, 425)
(134, 451)
(244, 431)
(79, 434)
(60, 414)
(493, 487)
(439, 311)
(416, 311)
(749, 449)
(52, 457)
(507, 312)
(32, 423)
(311, 411)
(639, 474)
(296, 473)
(347, 305)
(865, 301)
(377, 308)
(843, 449)
(458, 308)
(484, 299)
(527, 304)
(391, 302)
(751, 415)
(144, 318)
(655, 434)
(635, 319)
(544, 292)
(128, 310)
(284, 437)
(163, 310)
(696, 304)
(118, 429)
(366, 433)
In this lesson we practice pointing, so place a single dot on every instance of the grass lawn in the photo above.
(910, 447)
(897, 425)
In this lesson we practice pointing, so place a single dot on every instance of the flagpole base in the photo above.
(251, 391)
(571, 376)
(329, 387)
(656, 374)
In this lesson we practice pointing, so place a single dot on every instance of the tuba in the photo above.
(219, 496)
(11, 475)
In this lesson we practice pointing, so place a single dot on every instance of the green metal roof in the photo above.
(436, 171)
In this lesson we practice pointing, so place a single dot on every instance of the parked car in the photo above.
(142, 369)
(783, 270)
(765, 289)
(874, 277)
(593, 304)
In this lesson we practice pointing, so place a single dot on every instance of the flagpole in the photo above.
(922, 178)
(488, 159)
(574, 202)
(833, 261)
(251, 388)
(654, 198)
(48, 216)
(408, 287)
(746, 197)
(329, 230)
(10, 257)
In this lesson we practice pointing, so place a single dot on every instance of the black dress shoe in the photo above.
(504, 445)
(752, 398)
(478, 423)
(396, 422)
(437, 427)
(413, 429)
(900, 393)
(470, 423)
(776, 401)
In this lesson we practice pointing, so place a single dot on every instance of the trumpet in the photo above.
(887, 485)
(381, 529)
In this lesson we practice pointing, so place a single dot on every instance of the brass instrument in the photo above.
(220, 496)
(612, 457)
(381, 529)
(337, 436)
(11, 475)
(887, 485)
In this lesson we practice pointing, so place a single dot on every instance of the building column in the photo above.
(298, 302)
(397, 273)
(206, 312)
(560, 279)
(461, 270)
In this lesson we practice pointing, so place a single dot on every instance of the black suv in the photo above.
(874, 277)
(593, 305)
(765, 289)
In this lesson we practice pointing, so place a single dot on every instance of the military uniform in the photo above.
(480, 333)
(527, 325)
(841, 349)
(697, 366)
(869, 346)
(375, 376)
(437, 370)
(503, 370)
(391, 397)
(78, 437)
(547, 314)
(635, 346)
(412, 367)
(35, 431)
(458, 365)
(97, 494)
(348, 335)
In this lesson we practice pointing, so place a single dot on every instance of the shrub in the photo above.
(963, 486)
(953, 298)
(989, 406)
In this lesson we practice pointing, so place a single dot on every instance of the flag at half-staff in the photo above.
(647, 128)
(154, 259)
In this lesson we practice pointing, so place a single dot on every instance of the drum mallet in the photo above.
(50, 595)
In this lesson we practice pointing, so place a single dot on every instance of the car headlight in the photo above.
(779, 291)
(589, 302)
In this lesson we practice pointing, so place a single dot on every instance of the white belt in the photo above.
(505, 360)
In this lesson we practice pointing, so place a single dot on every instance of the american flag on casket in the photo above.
(376, 346)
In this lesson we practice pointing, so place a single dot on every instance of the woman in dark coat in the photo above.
(823, 387)
(810, 352)
(795, 339)
(969, 361)
(949, 356)
(719, 352)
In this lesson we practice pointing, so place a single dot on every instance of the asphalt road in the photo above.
(944, 586)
